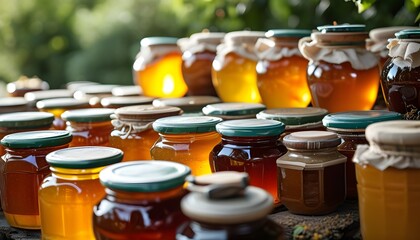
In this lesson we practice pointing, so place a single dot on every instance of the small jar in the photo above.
(142, 201)
(342, 74)
(157, 68)
(24, 85)
(94, 93)
(312, 178)
(186, 140)
(233, 70)
(281, 69)
(198, 53)
(133, 132)
(22, 170)
(58, 106)
(190, 104)
(296, 119)
(388, 180)
(400, 75)
(89, 127)
(250, 146)
(222, 206)
(350, 127)
(230, 111)
(124, 91)
(66, 198)
(117, 102)
(13, 104)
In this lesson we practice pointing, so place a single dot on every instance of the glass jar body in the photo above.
(90, 133)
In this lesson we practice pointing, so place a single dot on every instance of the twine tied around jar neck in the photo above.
(128, 127)
(405, 52)
(273, 50)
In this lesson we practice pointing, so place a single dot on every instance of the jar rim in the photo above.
(88, 115)
(37, 139)
(358, 119)
(26, 119)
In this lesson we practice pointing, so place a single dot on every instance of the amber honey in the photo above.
(136, 145)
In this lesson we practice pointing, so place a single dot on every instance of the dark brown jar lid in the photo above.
(146, 112)
(187, 104)
(117, 102)
(311, 140)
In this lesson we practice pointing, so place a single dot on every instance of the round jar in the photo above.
(222, 206)
(342, 75)
(133, 132)
(157, 68)
(190, 105)
(311, 174)
(233, 69)
(89, 127)
(400, 75)
(350, 127)
(388, 180)
(198, 53)
(230, 111)
(251, 146)
(186, 140)
(142, 201)
(117, 102)
(124, 91)
(22, 170)
(13, 104)
(66, 198)
(281, 69)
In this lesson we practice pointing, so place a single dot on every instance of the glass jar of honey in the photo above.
(281, 69)
(142, 201)
(67, 197)
(22, 170)
(222, 206)
(189, 104)
(133, 132)
(388, 180)
(94, 93)
(117, 102)
(198, 53)
(157, 68)
(58, 106)
(311, 177)
(350, 127)
(230, 111)
(89, 127)
(13, 104)
(187, 140)
(342, 74)
(124, 91)
(251, 146)
(233, 70)
(400, 75)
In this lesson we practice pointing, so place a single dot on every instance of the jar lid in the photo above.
(311, 140)
(250, 37)
(88, 115)
(151, 41)
(398, 133)
(47, 94)
(146, 112)
(187, 104)
(37, 139)
(144, 176)
(358, 119)
(233, 109)
(95, 89)
(342, 28)
(61, 103)
(237, 203)
(250, 128)
(385, 33)
(408, 34)
(294, 116)
(115, 102)
(75, 85)
(84, 157)
(127, 91)
(12, 102)
(26, 119)
(294, 33)
(186, 124)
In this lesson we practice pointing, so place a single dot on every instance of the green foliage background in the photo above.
(96, 40)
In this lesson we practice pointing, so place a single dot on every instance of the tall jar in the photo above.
(142, 201)
(189, 105)
(388, 180)
(230, 111)
(157, 68)
(311, 174)
(342, 75)
(22, 170)
(400, 75)
(66, 198)
(222, 206)
(186, 140)
(198, 53)
(233, 69)
(89, 127)
(281, 69)
(350, 127)
(133, 132)
(250, 146)
(13, 104)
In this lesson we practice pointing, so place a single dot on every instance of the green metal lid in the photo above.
(358, 119)
(84, 157)
(12, 102)
(297, 33)
(116, 102)
(88, 115)
(150, 41)
(36, 139)
(61, 103)
(187, 104)
(127, 91)
(144, 176)
(186, 124)
(26, 119)
(250, 128)
(408, 34)
(294, 116)
(233, 109)
(96, 89)
(342, 28)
